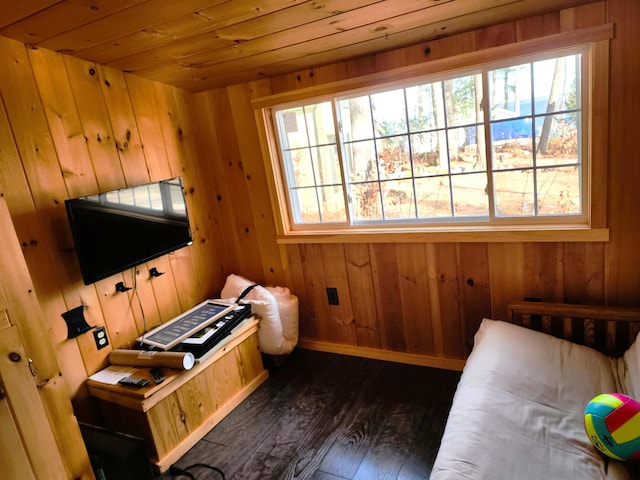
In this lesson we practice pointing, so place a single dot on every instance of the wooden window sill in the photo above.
(489, 235)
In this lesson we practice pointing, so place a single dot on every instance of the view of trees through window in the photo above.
(419, 152)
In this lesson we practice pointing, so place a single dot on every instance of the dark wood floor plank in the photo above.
(324, 416)
(336, 397)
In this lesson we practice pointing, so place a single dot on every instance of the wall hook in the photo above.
(121, 287)
(153, 272)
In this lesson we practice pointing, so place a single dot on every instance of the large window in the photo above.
(499, 145)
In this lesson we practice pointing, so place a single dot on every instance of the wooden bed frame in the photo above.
(610, 330)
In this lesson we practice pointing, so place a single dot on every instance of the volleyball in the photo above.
(612, 422)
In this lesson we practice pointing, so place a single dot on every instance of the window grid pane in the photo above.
(311, 163)
(535, 138)
(418, 153)
(421, 131)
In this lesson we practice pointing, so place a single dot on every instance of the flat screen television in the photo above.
(120, 229)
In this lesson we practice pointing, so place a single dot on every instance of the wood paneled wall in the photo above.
(68, 128)
(71, 128)
(424, 301)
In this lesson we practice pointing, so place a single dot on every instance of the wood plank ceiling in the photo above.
(202, 44)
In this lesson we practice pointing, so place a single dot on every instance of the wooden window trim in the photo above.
(596, 231)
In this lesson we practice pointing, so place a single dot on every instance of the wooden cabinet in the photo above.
(175, 414)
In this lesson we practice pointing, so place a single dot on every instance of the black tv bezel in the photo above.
(89, 277)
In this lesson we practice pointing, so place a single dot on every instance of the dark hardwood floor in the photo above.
(324, 416)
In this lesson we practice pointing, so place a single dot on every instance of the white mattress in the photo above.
(518, 410)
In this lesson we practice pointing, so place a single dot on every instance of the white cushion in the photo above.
(271, 336)
(519, 407)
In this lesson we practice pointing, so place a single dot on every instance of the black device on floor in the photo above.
(116, 456)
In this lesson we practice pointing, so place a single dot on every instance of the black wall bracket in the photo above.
(121, 287)
(76, 324)
(153, 272)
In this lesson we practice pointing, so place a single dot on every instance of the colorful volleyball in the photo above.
(612, 422)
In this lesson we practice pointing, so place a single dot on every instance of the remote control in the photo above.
(157, 375)
(134, 382)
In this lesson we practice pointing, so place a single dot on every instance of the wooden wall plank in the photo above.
(207, 256)
(229, 180)
(583, 16)
(126, 138)
(298, 286)
(177, 146)
(362, 293)
(496, 35)
(535, 27)
(316, 285)
(145, 110)
(386, 281)
(208, 107)
(128, 146)
(87, 92)
(623, 255)
(506, 276)
(449, 300)
(583, 273)
(431, 266)
(475, 288)
(335, 276)
(413, 278)
(264, 233)
(543, 271)
(64, 122)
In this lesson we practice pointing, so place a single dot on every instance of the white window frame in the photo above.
(590, 226)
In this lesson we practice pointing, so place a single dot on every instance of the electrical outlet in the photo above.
(332, 296)
(100, 336)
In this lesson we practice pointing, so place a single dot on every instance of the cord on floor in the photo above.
(178, 472)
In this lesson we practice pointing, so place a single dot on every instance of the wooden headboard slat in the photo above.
(605, 328)
(593, 312)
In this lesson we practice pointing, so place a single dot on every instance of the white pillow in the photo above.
(265, 306)
(288, 308)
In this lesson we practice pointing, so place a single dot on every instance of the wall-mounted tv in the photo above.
(120, 229)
